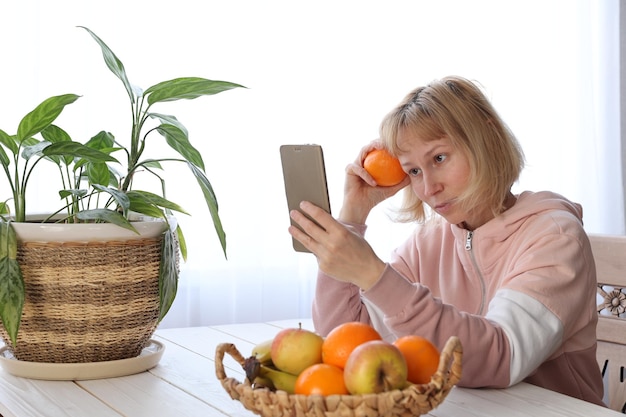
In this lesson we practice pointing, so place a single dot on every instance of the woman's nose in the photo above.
(431, 184)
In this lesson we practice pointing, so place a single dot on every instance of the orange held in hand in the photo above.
(322, 379)
(342, 340)
(384, 168)
(422, 357)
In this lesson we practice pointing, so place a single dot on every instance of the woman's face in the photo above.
(439, 174)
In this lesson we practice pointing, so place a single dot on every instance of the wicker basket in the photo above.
(412, 401)
(87, 302)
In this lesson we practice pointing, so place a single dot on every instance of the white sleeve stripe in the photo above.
(534, 332)
(378, 320)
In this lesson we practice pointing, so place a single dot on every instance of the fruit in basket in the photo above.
(422, 357)
(343, 339)
(263, 351)
(375, 366)
(279, 380)
(384, 168)
(321, 379)
(263, 382)
(262, 373)
(295, 349)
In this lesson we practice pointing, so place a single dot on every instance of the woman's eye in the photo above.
(414, 171)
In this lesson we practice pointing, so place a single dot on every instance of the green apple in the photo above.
(294, 350)
(375, 366)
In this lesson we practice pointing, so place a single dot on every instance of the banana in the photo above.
(281, 380)
(263, 351)
(262, 382)
(260, 369)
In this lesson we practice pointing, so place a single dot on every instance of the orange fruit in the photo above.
(342, 340)
(322, 379)
(383, 167)
(422, 357)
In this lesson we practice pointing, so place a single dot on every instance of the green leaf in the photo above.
(186, 88)
(106, 215)
(4, 158)
(169, 120)
(142, 202)
(72, 193)
(98, 173)
(9, 141)
(30, 142)
(168, 273)
(152, 163)
(182, 243)
(11, 296)
(211, 200)
(12, 291)
(103, 140)
(120, 197)
(43, 115)
(34, 150)
(154, 199)
(146, 208)
(78, 150)
(8, 241)
(55, 134)
(114, 64)
(178, 140)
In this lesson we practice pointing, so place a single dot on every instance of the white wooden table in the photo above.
(184, 384)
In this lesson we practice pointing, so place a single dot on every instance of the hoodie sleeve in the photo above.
(337, 302)
(414, 310)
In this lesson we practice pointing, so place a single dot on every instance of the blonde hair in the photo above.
(455, 108)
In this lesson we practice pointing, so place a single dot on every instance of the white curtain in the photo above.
(319, 72)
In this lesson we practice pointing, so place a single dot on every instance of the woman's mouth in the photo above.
(443, 208)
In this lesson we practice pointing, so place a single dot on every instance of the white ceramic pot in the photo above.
(34, 231)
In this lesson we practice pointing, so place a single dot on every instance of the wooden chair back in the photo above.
(610, 257)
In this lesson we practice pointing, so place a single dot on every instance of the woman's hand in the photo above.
(361, 194)
(341, 253)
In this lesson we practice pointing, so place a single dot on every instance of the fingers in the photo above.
(358, 170)
(313, 219)
(301, 237)
(375, 144)
(312, 229)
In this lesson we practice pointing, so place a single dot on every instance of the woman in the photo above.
(511, 275)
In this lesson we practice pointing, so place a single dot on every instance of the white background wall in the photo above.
(324, 72)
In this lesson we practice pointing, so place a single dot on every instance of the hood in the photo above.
(528, 204)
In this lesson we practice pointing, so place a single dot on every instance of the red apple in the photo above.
(375, 366)
(294, 350)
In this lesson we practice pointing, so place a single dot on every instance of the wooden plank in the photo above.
(306, 323)
(195, 374)
(254, 333)
(35, 398)
(612, 360)
(204, 341)
(250, 332)
(611, 329)
(609, 253)
(145, 394)
(520, 400)
(188, 363)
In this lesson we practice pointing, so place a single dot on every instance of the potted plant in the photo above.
(97, 190)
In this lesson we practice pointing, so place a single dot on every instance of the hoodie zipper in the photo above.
(468, 247)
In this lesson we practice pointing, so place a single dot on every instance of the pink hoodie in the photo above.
(519, 292)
